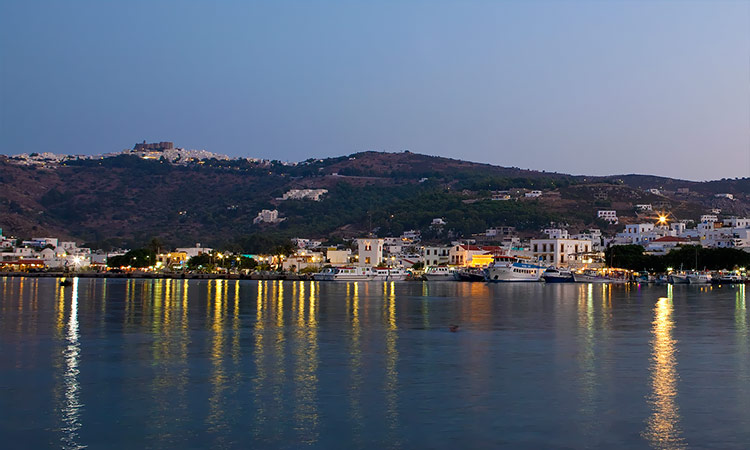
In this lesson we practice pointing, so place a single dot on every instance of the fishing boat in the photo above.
(512, 269)
(556, 275)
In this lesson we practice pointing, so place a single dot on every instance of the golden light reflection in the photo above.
(260, 370)
(72, 405)
(391, 363)
(215, 418)
(663, 430)
(236, 349)
(587, 356)
(355, 364)
(306, 420)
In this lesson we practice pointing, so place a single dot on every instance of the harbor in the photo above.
(290, 364)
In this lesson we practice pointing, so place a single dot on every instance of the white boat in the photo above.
(361, 274)
(726, 278)
(593, 276)
(388, 274)
(678, 278)
(437, 273)
(699, 278)
(511, 269)
(555, 275)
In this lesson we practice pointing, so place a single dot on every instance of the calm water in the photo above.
(248, 364)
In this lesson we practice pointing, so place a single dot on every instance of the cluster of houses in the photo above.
(556, 247)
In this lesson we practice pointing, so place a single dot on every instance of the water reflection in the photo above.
(72, 406)
(306, 366)
(355, 362)
(586, 357)
(663, 429)
(391, 361)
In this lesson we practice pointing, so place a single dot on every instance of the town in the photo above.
(589, 255)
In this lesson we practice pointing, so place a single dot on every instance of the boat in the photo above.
(469, 274)
(645, 278)
(65, 282)
(437, 273)
(361, 274)
(726, 278)
(678, 278)
(555, 275)
(388, 274)
(699, 278)
(512, 269)
(594, 276)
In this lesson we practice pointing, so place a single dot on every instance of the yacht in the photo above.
(511, 269)
(555, 275)
(435, 273)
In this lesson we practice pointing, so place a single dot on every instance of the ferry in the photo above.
(555, 275)
(436, 273)
(511, 269)
(361, 274)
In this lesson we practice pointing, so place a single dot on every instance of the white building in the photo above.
(640, 234)
(306, 243)
(302, 194)
(194, 251)
(561, 252)
(438, 221)
(706, 218)
(435, 256)
(268, 216)
(653, 191)
(594, 236)
(725, 195)
(370, 251)
(40, 242)
(337, 257)
(557, 233)
(736, 222)
(608, 215)
(644, 207)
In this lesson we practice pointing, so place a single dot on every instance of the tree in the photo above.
(201, 260)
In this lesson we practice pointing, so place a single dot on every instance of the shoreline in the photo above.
(171, 276)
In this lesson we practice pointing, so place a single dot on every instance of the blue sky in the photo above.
(583, 87)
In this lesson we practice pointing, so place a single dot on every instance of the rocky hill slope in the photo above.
(126, 200)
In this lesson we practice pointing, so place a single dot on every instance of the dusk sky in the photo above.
(582, 87)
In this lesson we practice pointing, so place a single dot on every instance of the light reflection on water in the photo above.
(663, 429)
(178, 363)
(72, 406)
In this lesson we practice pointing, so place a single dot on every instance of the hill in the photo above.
(126, 200)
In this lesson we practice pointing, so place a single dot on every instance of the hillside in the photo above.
(126, 201)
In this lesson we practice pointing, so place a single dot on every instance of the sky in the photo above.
(590, 87)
